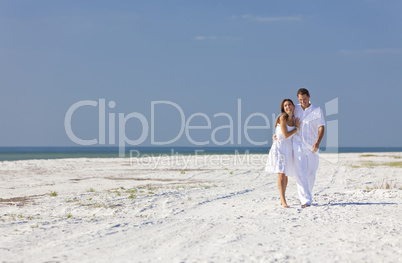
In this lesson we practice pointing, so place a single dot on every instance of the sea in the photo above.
(35, 153)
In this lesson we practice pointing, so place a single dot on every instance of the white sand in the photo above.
(212, 212)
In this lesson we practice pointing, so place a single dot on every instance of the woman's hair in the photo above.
(283, 113)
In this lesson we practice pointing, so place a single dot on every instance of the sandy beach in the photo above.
(211, 208)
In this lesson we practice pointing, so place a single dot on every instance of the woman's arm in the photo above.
(284, 129)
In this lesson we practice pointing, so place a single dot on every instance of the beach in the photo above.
(209, 208)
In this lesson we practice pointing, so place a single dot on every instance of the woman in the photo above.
(280, 158)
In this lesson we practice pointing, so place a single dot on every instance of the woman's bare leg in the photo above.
(282, 183)
(286, 182)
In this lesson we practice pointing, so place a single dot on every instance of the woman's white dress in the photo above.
(280, 157)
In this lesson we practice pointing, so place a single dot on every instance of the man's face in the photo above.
(304, 100)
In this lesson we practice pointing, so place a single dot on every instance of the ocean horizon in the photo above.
(16, 153)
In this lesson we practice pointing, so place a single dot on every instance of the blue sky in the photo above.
(203, 56)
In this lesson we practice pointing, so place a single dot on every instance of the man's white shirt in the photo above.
(311, 119)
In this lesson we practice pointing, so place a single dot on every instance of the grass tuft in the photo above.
(385, 184)
(370, 164)
(369, 155)
(394, 164)
(132, 191)
(374, 155)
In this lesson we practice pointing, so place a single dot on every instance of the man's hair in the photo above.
(303, 91)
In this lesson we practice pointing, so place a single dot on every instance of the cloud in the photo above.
(201, 38)
(271, 18)
(220, 38)
(372, 51)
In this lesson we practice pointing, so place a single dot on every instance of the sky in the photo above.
(146, 72)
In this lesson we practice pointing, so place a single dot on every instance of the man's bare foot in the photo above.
(305, 205)
(284, 205)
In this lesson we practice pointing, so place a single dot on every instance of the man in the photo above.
(306, 145)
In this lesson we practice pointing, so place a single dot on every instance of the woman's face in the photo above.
(288, 107)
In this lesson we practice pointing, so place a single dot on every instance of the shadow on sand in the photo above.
(355, 203)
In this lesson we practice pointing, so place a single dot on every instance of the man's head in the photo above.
(304, 98)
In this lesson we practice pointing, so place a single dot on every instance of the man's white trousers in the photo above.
(306, 165)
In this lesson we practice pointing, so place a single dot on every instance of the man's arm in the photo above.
(316, 145)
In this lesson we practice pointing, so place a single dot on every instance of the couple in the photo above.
(294, 152)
